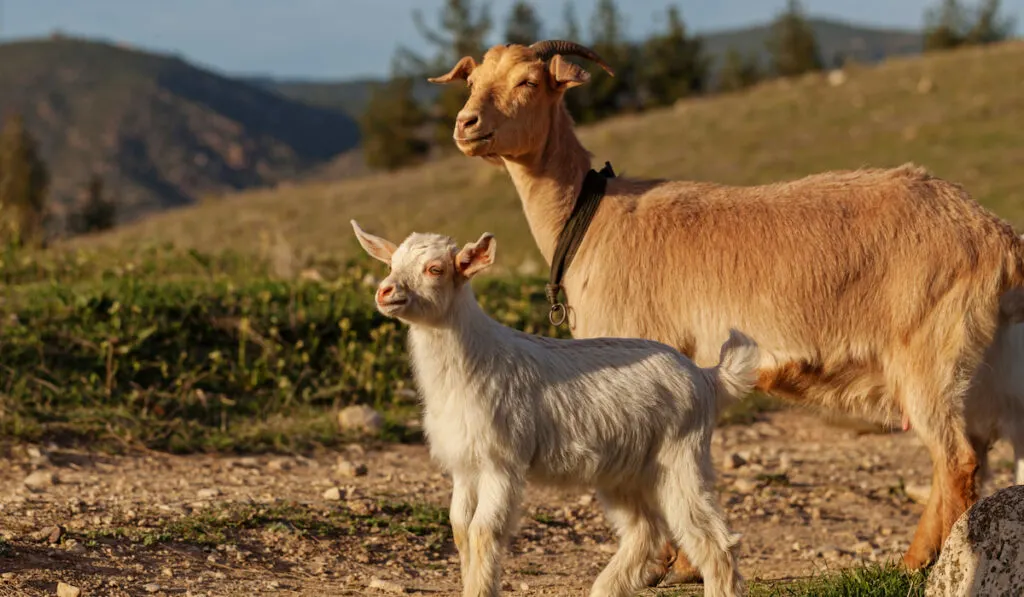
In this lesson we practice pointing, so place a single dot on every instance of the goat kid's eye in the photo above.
(435, 270)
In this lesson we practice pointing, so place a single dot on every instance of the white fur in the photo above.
(632, 418)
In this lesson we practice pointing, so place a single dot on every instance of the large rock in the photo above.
(360, 418)
(984, 554)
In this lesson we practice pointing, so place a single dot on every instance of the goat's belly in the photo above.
(608, 465)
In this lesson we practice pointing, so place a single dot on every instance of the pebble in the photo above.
(360, 417)
(151, 587)
(51, 534)
(744, 485)
(334, 494)
(346, 468)
(279, 464)
(66, 590)
(386, 585)
(40, 480)
(207, 493)
(734, 461)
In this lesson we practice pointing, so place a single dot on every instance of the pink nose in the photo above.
(467, 120)
(384, 292)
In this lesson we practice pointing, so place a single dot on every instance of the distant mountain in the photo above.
(160, 131)
(863, 43)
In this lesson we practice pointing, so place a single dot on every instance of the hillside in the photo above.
(162, 132)
(958, 114)
(863, 43)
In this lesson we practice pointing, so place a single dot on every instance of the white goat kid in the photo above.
(632, 418)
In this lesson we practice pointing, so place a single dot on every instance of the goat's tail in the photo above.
(736, 372)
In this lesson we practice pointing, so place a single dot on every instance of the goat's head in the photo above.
(427, 273)
(513, 95)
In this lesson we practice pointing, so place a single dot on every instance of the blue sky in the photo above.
(350, 38)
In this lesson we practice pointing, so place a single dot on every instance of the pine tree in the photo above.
(792, 44)
(24, 182)
(673, 64)
(97, 212)
(462, 31)
(574, 99)
(945, 26)
(989, 27)
(392, 125)
(523, 25)
(738, 72)
(606, 95)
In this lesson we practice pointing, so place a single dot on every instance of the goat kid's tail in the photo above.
(736, 372)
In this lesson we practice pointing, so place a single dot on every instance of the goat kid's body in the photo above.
(502, 407)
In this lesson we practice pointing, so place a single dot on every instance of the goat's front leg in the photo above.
(464, 499)
(499, 493)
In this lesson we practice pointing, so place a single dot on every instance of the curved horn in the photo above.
(548, 48)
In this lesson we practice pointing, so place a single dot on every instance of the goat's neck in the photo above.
(549, 180)
(464, 335)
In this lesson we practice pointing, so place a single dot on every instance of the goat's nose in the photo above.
(467, 120)
(385, 291)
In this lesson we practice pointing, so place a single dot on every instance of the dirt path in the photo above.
(809, 496)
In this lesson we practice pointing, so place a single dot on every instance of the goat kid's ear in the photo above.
(378, 248)
(462, 70)
(476, 257)
(565, 74)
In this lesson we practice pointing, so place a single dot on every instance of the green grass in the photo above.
(861, 581)
(968, 127)
(227, 523)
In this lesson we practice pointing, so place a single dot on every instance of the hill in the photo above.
(956, 113)
(161, 131)
(864, 43)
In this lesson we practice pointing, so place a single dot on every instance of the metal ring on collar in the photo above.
(557, 315)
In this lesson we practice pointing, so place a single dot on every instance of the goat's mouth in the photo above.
(475, 142)
(392, 304)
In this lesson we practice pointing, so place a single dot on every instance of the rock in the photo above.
(744, 485)
(151, 587)
(984, 553)
(279, 464)
(734, 461)
(918, 493)
(207, 493)
(334, 494)
(74, 546)
(360, 418)
(51, 534)
(346, 468)
(66, 590)
(40, 480)
(785, 463)
(863, 547)
(386, 585)
(836, 77)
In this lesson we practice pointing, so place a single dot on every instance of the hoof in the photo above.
(680, 575)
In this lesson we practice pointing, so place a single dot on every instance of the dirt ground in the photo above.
(806, 496)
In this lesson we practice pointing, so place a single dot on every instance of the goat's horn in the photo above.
(548, 48)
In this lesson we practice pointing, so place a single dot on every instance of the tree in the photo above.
(606, 95)
(523, 25)
(738, 72)
(97, 212)
(673, 64)
(792, 44)
(24, 182)
(945, 26)
(461, 31)
(392, 124)
(573, 98)
(989, 27)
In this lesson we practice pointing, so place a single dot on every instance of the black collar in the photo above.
(572, 235)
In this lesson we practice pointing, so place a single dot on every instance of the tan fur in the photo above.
(870, 291)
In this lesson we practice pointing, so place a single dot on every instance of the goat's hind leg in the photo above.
(696, 522)
(635, 521)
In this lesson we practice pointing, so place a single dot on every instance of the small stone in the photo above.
(386, 585)
(734, 461)
(586, 499)
(66, 590)
(334, 494)
(347, 468)
(279, 464)
(785, 462)
(918, 493)
(863, 547)
(167, 572)
(207, 493)
(362, 418)
(52, 534)
(74, 546)
(40, 480)
(151, 587)
(524, 587)
(744, 485)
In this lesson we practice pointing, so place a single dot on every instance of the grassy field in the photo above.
(958, 114)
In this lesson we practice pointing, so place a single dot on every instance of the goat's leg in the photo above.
(696, 521)
(499, 494)
(464, 500)
(941, 428)
(635, 522)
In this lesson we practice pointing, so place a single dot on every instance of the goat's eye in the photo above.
(435, 270)
(527, 83)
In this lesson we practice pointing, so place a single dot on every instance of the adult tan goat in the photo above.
(872, 292)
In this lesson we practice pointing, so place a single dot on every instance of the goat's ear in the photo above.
(463, 69)
(565, 74)
(378, 248)
(476, 257)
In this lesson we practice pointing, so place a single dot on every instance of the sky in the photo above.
(342, 39)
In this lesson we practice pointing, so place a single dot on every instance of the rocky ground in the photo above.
(807, 496)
